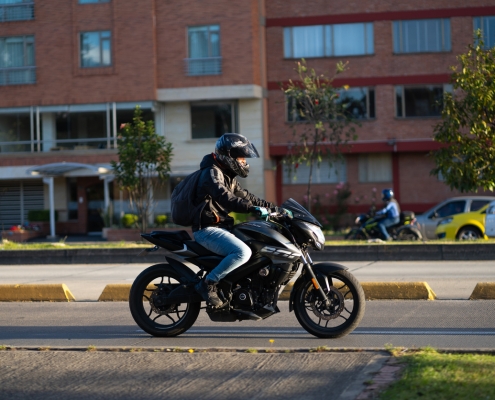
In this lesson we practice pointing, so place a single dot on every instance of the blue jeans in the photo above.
(223, 243)
(385, 223)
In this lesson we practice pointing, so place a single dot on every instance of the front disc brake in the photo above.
(336, 300)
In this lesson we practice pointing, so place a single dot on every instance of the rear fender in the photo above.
(183, 271)
(320, 270)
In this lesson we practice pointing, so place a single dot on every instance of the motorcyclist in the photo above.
(391, 211)
(212, 224)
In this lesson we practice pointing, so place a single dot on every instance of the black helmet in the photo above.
(231, 146)
(387, 194)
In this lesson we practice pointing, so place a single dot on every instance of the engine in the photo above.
(261, 288)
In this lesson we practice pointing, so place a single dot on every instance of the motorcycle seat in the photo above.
(176, 237)
(198, 249)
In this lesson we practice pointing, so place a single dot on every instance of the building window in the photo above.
(96, 49)
(212, 120)
(487, 27)
(16, 10)
(17, 60)
(203, 51)
(93, 1)
(326, 172)
(420, 101)
(376, 167)
(15, 132)
(328, 40)
(358, 103)
(422, 36)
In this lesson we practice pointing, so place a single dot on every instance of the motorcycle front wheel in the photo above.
(148, 291)
(347, 305)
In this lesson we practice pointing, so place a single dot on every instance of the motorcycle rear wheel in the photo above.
(409, 233)
(344, 315)
(174, 319)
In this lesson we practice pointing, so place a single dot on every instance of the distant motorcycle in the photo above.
(406, 229)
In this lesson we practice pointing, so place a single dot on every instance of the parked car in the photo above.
(465, 226)
(490, 220)
(428, 221)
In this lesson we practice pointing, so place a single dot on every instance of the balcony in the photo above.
(203, 66)
(23, 11)
(17, 75)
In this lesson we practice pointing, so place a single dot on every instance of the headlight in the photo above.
(358, 220)
(445, 221)
(317, 233)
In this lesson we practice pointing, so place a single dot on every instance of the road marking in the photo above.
(432, 332)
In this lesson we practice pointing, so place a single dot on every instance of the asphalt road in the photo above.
(446, 324)
(454, 280)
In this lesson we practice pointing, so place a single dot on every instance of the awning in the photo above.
(62, 168)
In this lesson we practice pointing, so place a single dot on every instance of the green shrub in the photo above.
(160, 220)
(129, 220)
(40, 215)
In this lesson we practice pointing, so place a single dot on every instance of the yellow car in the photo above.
(466, 226)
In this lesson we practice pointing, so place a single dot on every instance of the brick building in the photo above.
(71, 71)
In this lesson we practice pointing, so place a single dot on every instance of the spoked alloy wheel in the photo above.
(347, 306)
(147, 302)
(469, 233)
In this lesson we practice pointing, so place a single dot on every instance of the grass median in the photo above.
(429, 374)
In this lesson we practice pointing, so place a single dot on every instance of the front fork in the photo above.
(308, 264)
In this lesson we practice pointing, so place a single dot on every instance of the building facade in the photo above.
(72, 71)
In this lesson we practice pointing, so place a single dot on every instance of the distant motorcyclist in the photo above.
(391, 211)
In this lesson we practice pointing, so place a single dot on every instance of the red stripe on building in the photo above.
(379, 80)
(380, 16)
(388, 146)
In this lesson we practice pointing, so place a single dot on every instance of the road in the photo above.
(453, 280)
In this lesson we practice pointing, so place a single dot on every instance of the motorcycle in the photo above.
(327, 300)
(406, 229)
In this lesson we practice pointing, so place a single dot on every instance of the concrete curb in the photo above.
(371, 252)
(36, 292)
(386, 291)
(483, 291)
(115, 292)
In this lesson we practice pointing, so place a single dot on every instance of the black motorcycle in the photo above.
(327, 300)
(367, 228)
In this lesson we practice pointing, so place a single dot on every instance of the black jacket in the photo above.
(222, 194)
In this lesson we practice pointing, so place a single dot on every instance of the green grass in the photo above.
(429, 374)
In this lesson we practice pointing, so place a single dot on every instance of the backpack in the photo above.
(182, 200)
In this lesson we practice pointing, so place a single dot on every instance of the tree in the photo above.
(144, 164)
(321, 120)
(467, 160)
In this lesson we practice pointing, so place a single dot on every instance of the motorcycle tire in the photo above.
(409, 233)
(347, 308)
(355, 234)
(162, 321)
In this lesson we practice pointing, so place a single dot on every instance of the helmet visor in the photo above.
(243, 149)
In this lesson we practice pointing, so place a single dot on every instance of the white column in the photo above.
(48, 123)
(49, 182)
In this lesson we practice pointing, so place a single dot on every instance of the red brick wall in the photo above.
(59, 78)
(239, 41)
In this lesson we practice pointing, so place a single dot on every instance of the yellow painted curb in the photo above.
(116, 292)
(36, 292)
(398, 291)
(483, 291)
(385, 291)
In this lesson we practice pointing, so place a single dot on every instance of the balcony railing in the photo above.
(16, 12)
(35, 145)
(203, 66)
(17, 76)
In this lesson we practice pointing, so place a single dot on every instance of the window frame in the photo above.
(328, 49)
(370, 94)
(26, 40)
(20, 3)
(368, 169)
(478, 24)
(338, 169)
(234, 115)
(100, 48)
(446, 87)
(398, 49)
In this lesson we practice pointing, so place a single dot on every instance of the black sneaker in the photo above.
(208, 290)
